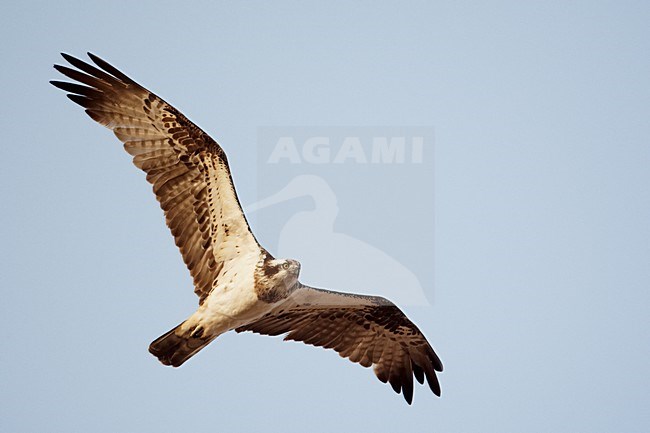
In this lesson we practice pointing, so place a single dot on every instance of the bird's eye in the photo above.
(285, 265)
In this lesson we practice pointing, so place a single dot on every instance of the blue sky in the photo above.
(530, 238)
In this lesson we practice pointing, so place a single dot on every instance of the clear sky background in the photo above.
(541, 276)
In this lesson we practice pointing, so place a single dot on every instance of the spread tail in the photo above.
(177, 346)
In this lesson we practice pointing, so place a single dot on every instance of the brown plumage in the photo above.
(369, 330)
(231, 272)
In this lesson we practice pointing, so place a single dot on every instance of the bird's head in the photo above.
(282, 272)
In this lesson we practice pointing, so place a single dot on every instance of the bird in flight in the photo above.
(240, 285)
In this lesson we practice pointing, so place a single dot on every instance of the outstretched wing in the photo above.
(188, 169)
(366, 329)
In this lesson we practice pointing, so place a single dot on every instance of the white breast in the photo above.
(233, 300)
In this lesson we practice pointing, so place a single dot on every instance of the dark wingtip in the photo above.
(434, 385)
(103, 64)
(96, 59)
(435, 360)
(79, 99)
(397, 386)
(95, 116)
(418, 373)
(62, 85)
(68, 57)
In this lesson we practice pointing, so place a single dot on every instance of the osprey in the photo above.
(240, 285)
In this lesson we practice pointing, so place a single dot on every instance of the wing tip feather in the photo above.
(107, 67)
(68, 57)
(79, 99)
